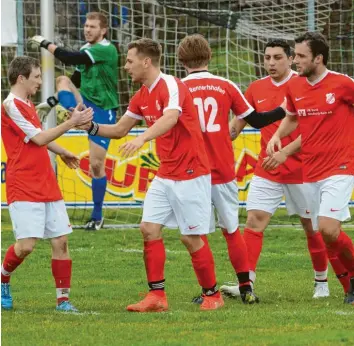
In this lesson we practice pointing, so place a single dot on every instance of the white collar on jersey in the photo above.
(198, 75)
(152, 86)
(278, 84)
(322, 76)
(13, 96)
(103, 42)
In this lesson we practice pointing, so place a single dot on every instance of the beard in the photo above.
(308, 72)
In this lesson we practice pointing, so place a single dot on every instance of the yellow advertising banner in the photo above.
(128, 179)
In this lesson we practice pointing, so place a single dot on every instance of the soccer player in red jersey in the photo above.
(214, 98)
(268, 186)
(36, 206)
(182, 184)
(320, 104)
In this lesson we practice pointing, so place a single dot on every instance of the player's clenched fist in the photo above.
(38, 41)
(80, 117)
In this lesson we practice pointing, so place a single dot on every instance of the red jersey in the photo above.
(181, 149)
(214, 97)
(264, 95)
(324, 109)
(29, 174)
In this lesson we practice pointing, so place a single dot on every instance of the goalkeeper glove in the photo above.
(44, 108)
(38, 41)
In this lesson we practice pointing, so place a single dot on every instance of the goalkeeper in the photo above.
(96, 76)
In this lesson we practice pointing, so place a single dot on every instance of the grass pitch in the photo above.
(108, 274)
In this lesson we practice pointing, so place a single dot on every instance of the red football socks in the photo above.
(154, 258)
(254, 243)
(318, 253)
(204, 267)
(11, 262)
(237, 251)
(61, 270)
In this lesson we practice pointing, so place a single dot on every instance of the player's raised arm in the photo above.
(66, 56)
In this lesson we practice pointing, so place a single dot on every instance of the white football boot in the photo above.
(321, 290)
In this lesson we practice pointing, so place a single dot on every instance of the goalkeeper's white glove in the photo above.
(44, 108)
(38, 41)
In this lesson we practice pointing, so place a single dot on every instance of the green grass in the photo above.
(108, 274)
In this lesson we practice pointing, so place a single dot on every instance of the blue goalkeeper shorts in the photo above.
(101, 116)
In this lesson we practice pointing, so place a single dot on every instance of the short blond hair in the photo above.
(149, 48)
(194, 51)
(99, 16)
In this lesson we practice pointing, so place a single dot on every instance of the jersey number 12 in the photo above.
(203, 106)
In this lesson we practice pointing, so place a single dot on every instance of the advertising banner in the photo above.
(128, 179)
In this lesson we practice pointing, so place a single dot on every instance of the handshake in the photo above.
(80, 116)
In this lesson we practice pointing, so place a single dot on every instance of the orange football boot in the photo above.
(212, 302)
(151, 303)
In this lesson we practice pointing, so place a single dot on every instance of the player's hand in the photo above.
(81, 117)
(272, 162)
(35, 41)
(43, 109)
(70, 159)
(129, 148)
(275, 142)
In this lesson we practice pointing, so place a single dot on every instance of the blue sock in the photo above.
(66, 99)
(98, 190)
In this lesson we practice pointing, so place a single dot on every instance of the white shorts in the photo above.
(39, 219)
(330, 197)
(224, 198)
(266, 195)
(184, 204)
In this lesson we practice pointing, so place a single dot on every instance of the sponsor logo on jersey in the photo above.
(301, 112)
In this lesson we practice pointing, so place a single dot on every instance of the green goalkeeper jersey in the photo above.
(99, 81)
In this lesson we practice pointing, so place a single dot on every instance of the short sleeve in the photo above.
(133, 110)
(249, 95)
(348, 90)
(19, 122)
(290, 108)
(240, 105)
(174, 94)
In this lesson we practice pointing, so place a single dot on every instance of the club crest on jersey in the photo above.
(330, 98)
(158, 107)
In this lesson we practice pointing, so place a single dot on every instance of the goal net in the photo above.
(237, 32)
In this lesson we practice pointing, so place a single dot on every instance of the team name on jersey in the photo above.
(207, 87)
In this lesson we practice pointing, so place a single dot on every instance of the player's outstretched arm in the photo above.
(78, 118)
(116, 131)
(235, 127)
(262, 119)
(67, 57)
(162, 125)
(279, 157)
